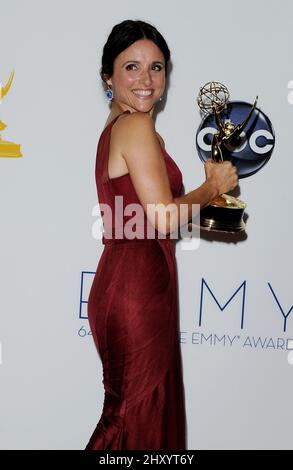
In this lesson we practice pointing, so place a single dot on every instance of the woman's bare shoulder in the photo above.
(134, 120)
(161, 140)
(136, 124)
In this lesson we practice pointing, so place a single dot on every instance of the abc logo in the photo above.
(252, 149)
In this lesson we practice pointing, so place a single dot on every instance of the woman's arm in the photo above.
(135, 136)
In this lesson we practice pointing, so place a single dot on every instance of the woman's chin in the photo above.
(144, 107)
(141, 106)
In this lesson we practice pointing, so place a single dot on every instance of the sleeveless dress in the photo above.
(133, 315)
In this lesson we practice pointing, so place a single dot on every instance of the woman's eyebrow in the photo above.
(138, 62)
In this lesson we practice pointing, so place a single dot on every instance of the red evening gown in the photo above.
(133, 315)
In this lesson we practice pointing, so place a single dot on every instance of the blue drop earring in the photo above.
(109, 94)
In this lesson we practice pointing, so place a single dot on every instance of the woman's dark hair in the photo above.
(122, 36)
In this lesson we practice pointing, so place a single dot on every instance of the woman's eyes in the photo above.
(159, 67)
(156, 67)
(129, 66)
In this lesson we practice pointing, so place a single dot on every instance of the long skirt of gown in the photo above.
(133, 315)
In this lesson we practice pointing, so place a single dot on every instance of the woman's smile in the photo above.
(143, 93)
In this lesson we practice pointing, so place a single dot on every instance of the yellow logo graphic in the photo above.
(7, 149)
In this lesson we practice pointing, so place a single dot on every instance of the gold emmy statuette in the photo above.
(7, 149)
(225, 213)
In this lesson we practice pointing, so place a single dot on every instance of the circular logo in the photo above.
(249, 151)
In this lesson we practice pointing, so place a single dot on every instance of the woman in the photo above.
(132, 306)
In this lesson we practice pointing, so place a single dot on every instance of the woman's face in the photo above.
(138, 79)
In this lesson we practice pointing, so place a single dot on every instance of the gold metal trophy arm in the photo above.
(218, 137)
(218, 120)
(4, 90)
(7, 148)
(239, 128)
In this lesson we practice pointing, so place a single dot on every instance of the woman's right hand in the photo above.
(223, 176)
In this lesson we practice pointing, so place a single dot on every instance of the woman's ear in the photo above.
(106, 79)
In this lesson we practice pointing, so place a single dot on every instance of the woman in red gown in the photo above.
(133, 302)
